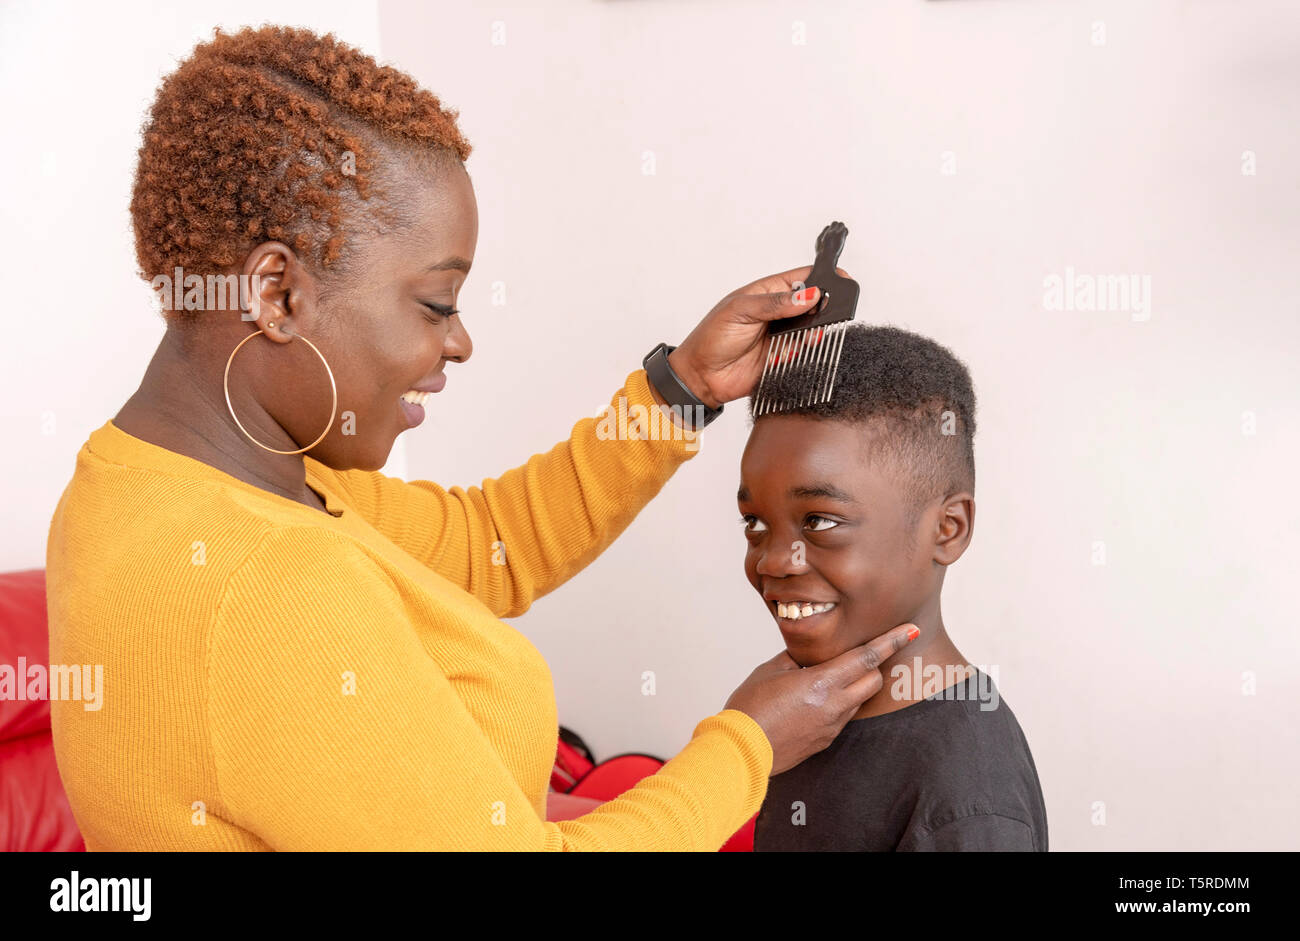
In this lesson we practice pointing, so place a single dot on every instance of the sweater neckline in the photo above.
(120, 447)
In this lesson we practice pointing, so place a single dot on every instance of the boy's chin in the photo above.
(809, 655)
(808, 652)
(802, 657)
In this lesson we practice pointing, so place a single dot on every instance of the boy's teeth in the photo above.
(801, 609)
(415, 398)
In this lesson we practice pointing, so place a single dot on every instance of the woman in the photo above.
(299, 652)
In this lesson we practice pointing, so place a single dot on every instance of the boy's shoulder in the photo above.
(953, 771)
(976, 785)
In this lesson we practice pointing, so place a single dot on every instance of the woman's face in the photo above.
(383, 333)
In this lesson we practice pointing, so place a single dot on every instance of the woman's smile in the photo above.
(413, 399)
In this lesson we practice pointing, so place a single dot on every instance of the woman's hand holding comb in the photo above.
(722, 359)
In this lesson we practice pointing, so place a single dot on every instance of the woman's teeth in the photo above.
(800, 609)
(416, 398)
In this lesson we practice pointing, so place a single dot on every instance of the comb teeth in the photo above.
(807, 346)
(813, 351)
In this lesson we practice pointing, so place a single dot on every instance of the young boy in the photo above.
(853, 510)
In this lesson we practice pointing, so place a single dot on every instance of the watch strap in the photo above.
(674, 391)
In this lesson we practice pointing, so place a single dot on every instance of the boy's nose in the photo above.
(779, 560)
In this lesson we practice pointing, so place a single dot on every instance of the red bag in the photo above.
(581, 784)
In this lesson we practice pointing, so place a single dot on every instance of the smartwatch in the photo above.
(674, 391)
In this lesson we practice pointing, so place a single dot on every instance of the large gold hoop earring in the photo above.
(333, 406)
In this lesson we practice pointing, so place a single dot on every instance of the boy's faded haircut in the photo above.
(913, 395)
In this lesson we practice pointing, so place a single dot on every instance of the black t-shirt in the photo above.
(945, 773)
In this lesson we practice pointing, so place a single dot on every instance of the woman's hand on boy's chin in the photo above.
(802, 710)
(722, 358)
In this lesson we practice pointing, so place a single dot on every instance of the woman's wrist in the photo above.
(688, 418)
(678, 418)
(691, 379)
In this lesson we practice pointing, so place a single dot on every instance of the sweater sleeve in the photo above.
(524, 533)
(331, 728)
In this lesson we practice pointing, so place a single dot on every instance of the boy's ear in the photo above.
(956, 526)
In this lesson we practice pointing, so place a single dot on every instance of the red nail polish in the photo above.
(805, 295)
(913, 632)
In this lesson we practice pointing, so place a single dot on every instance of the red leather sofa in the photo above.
(34, 811)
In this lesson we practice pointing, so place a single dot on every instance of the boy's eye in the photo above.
(753, 524)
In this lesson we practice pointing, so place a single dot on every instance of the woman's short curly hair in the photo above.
(273, 134)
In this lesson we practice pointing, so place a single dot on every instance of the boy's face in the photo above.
(810, 495)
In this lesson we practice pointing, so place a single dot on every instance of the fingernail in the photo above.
(806, 295)
(913, 633)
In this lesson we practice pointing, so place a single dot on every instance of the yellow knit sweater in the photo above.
(275, 677)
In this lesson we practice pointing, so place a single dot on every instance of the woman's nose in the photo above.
(458, 346)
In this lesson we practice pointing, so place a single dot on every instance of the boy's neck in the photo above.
(933, 647)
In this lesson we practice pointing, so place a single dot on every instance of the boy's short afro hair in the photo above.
(915, 397)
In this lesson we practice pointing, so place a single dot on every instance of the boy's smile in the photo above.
(828, 521)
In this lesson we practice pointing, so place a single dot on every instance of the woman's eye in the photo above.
(746, 521)
(440, 309)
(818, 529)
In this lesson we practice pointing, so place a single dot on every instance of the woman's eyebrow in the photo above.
(454, 263)
(829, 491)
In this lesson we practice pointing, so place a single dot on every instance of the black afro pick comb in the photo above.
(811, 342)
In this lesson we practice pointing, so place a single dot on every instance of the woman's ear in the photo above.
(956, 526)
(272, 269)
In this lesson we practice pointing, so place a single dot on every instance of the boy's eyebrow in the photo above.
(829, 491)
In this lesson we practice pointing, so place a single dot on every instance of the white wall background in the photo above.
(1118, 157)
